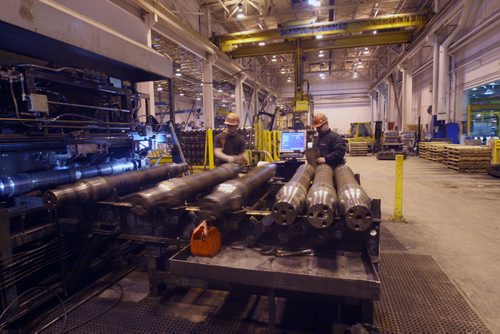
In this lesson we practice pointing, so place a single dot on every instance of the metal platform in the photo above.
(417, 297)
(347, 274)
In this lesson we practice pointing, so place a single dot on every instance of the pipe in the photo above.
(22, 183)
(291, 198)
(321, 199)
(232, 195)
(444, 64)
(99, 188)
(176, 191)
(489, 23)
(354, 203)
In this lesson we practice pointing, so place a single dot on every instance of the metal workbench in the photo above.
(345, 274)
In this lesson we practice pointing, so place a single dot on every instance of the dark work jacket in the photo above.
(332, 147)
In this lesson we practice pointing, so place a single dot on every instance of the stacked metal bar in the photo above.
(354, 203)
(176, 191)
(291, 198)
(231, 195)
(321, 201)
(99, 188)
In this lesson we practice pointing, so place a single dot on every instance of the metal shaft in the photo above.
(99, 188)
(321, 199)
(354, 203)
(231, 195)
(176, 191)
(291, 198)
(26, 182)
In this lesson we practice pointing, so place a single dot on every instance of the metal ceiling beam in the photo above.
(227, 42)
(169, 26)
(447, 13)
(315, 45)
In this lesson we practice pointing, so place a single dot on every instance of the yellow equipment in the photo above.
(361, 132)
(494, 168)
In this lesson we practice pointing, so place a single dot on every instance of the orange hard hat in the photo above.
(232, 119)
(319, 120)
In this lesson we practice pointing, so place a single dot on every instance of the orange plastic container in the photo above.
(205, 241)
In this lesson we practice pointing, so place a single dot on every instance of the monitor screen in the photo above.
(293, 141)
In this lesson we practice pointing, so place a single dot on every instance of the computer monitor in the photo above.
(293, 142)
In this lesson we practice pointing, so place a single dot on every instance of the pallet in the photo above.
(358, 148)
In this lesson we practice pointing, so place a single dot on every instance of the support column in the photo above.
(406, 98)
(171, 102)
(239, 97)
(373, 106)
(388, 105)
(206, 23)
(147, 87)
(208, 94)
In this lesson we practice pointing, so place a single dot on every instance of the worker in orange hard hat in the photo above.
(229, 146)
(330, 145)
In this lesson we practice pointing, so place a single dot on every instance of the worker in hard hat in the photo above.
(330, 145)
(229, 145)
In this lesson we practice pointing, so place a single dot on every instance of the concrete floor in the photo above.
(451, 216)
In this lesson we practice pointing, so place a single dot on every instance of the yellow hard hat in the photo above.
(232, 119)
(319, 120)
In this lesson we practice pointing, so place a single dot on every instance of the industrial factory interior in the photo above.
(250, 166)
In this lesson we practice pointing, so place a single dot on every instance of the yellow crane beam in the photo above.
(315, 45)
(402, 21)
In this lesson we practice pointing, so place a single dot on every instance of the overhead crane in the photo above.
(228, 43)
(297, 39)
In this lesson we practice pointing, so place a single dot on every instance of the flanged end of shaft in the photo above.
(358, 218)
(284, 213)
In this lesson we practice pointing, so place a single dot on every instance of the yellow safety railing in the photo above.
(209, 159)
(266, 143)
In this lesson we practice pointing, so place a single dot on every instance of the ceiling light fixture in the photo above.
(159, 89)
(315, 3)
(181, 94)
(240, 14)
(374, 32)
(178, 74)
(262, 43)
(319, 36)
(321, 55)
